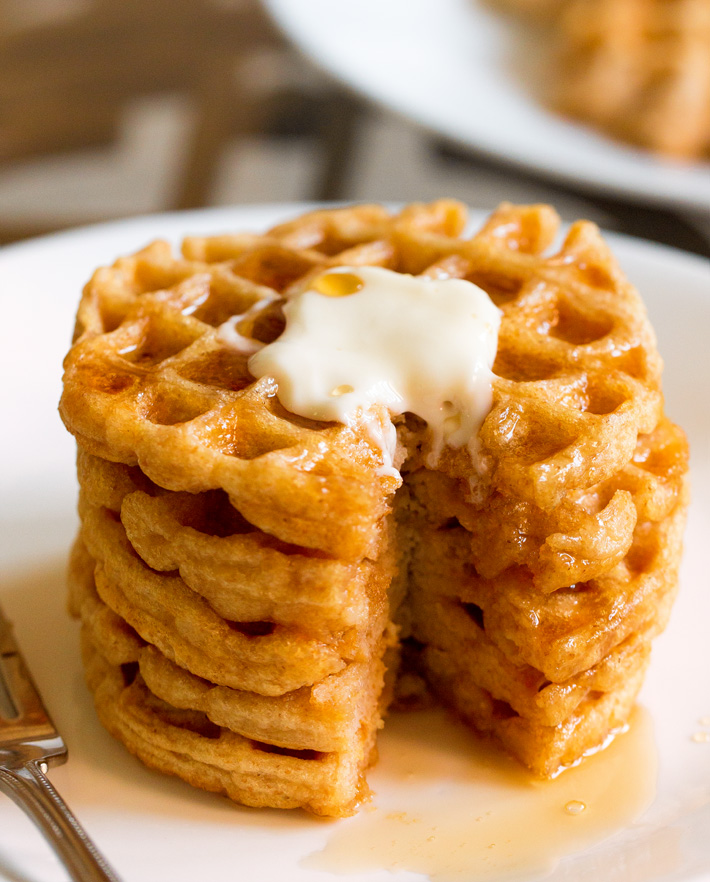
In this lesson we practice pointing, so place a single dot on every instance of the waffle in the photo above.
(637, 69)
(251, 747)
(185, 743)
(519, 660)
(150, 383)
(585, 536)
(543, 749)
(242, 573)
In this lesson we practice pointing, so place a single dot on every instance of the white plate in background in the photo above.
(467, 73)
(154, 828)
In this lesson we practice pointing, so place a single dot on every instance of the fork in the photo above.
(29, 744)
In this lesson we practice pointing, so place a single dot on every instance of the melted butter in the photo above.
(229, 335)
(366, 338)
(454, 808)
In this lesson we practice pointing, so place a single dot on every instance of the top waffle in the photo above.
(149, 381)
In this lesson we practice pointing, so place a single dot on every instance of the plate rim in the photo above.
(292, 27)
(638, 247)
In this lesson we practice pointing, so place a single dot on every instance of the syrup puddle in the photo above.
(454, 808)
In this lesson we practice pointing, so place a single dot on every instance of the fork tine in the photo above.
(33, 721)
(7, 641)
(7, 705)
(28, 744)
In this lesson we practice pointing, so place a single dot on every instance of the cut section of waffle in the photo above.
(518, 661)
(239, 568)
(567, 631)
(546, 750)
(550, 672)
(586, 535)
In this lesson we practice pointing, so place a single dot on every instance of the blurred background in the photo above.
(112, 108)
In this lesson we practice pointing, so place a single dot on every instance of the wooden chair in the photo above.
(64, 86)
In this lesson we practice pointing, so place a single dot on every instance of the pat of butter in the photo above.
(365, 336)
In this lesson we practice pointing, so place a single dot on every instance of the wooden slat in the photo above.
(64, 86)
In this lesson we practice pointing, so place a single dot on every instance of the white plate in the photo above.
(155, 828)
(462, 71)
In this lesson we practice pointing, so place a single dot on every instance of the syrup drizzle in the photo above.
(338, 284)
(454, 808)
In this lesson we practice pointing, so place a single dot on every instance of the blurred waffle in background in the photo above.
(640, 70)
(115, 108)
(112, 108)
(636, 69)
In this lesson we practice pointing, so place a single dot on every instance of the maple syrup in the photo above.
(337, 284)
(453, 807)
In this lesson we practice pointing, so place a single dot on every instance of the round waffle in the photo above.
(244, 574)
(264, 657)
(149, 383)
(308, 748)
(324, 717)
(637, 69)
(185, 743)
(239, 568)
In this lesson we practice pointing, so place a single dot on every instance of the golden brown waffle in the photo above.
(148, 381)
(308, 748)
(637, 69)
(548, 672)
(568, 631)
(585, 536)
(218, 638)
(185, 743)
(325, 717)
(546, 750)
(243, 574)
(244, 564)
(263, 657)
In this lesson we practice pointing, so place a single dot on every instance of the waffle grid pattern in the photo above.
(244, 576)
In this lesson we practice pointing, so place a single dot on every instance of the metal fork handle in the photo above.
(30, 788)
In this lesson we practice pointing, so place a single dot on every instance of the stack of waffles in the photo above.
(245, 577)
(638, 69)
